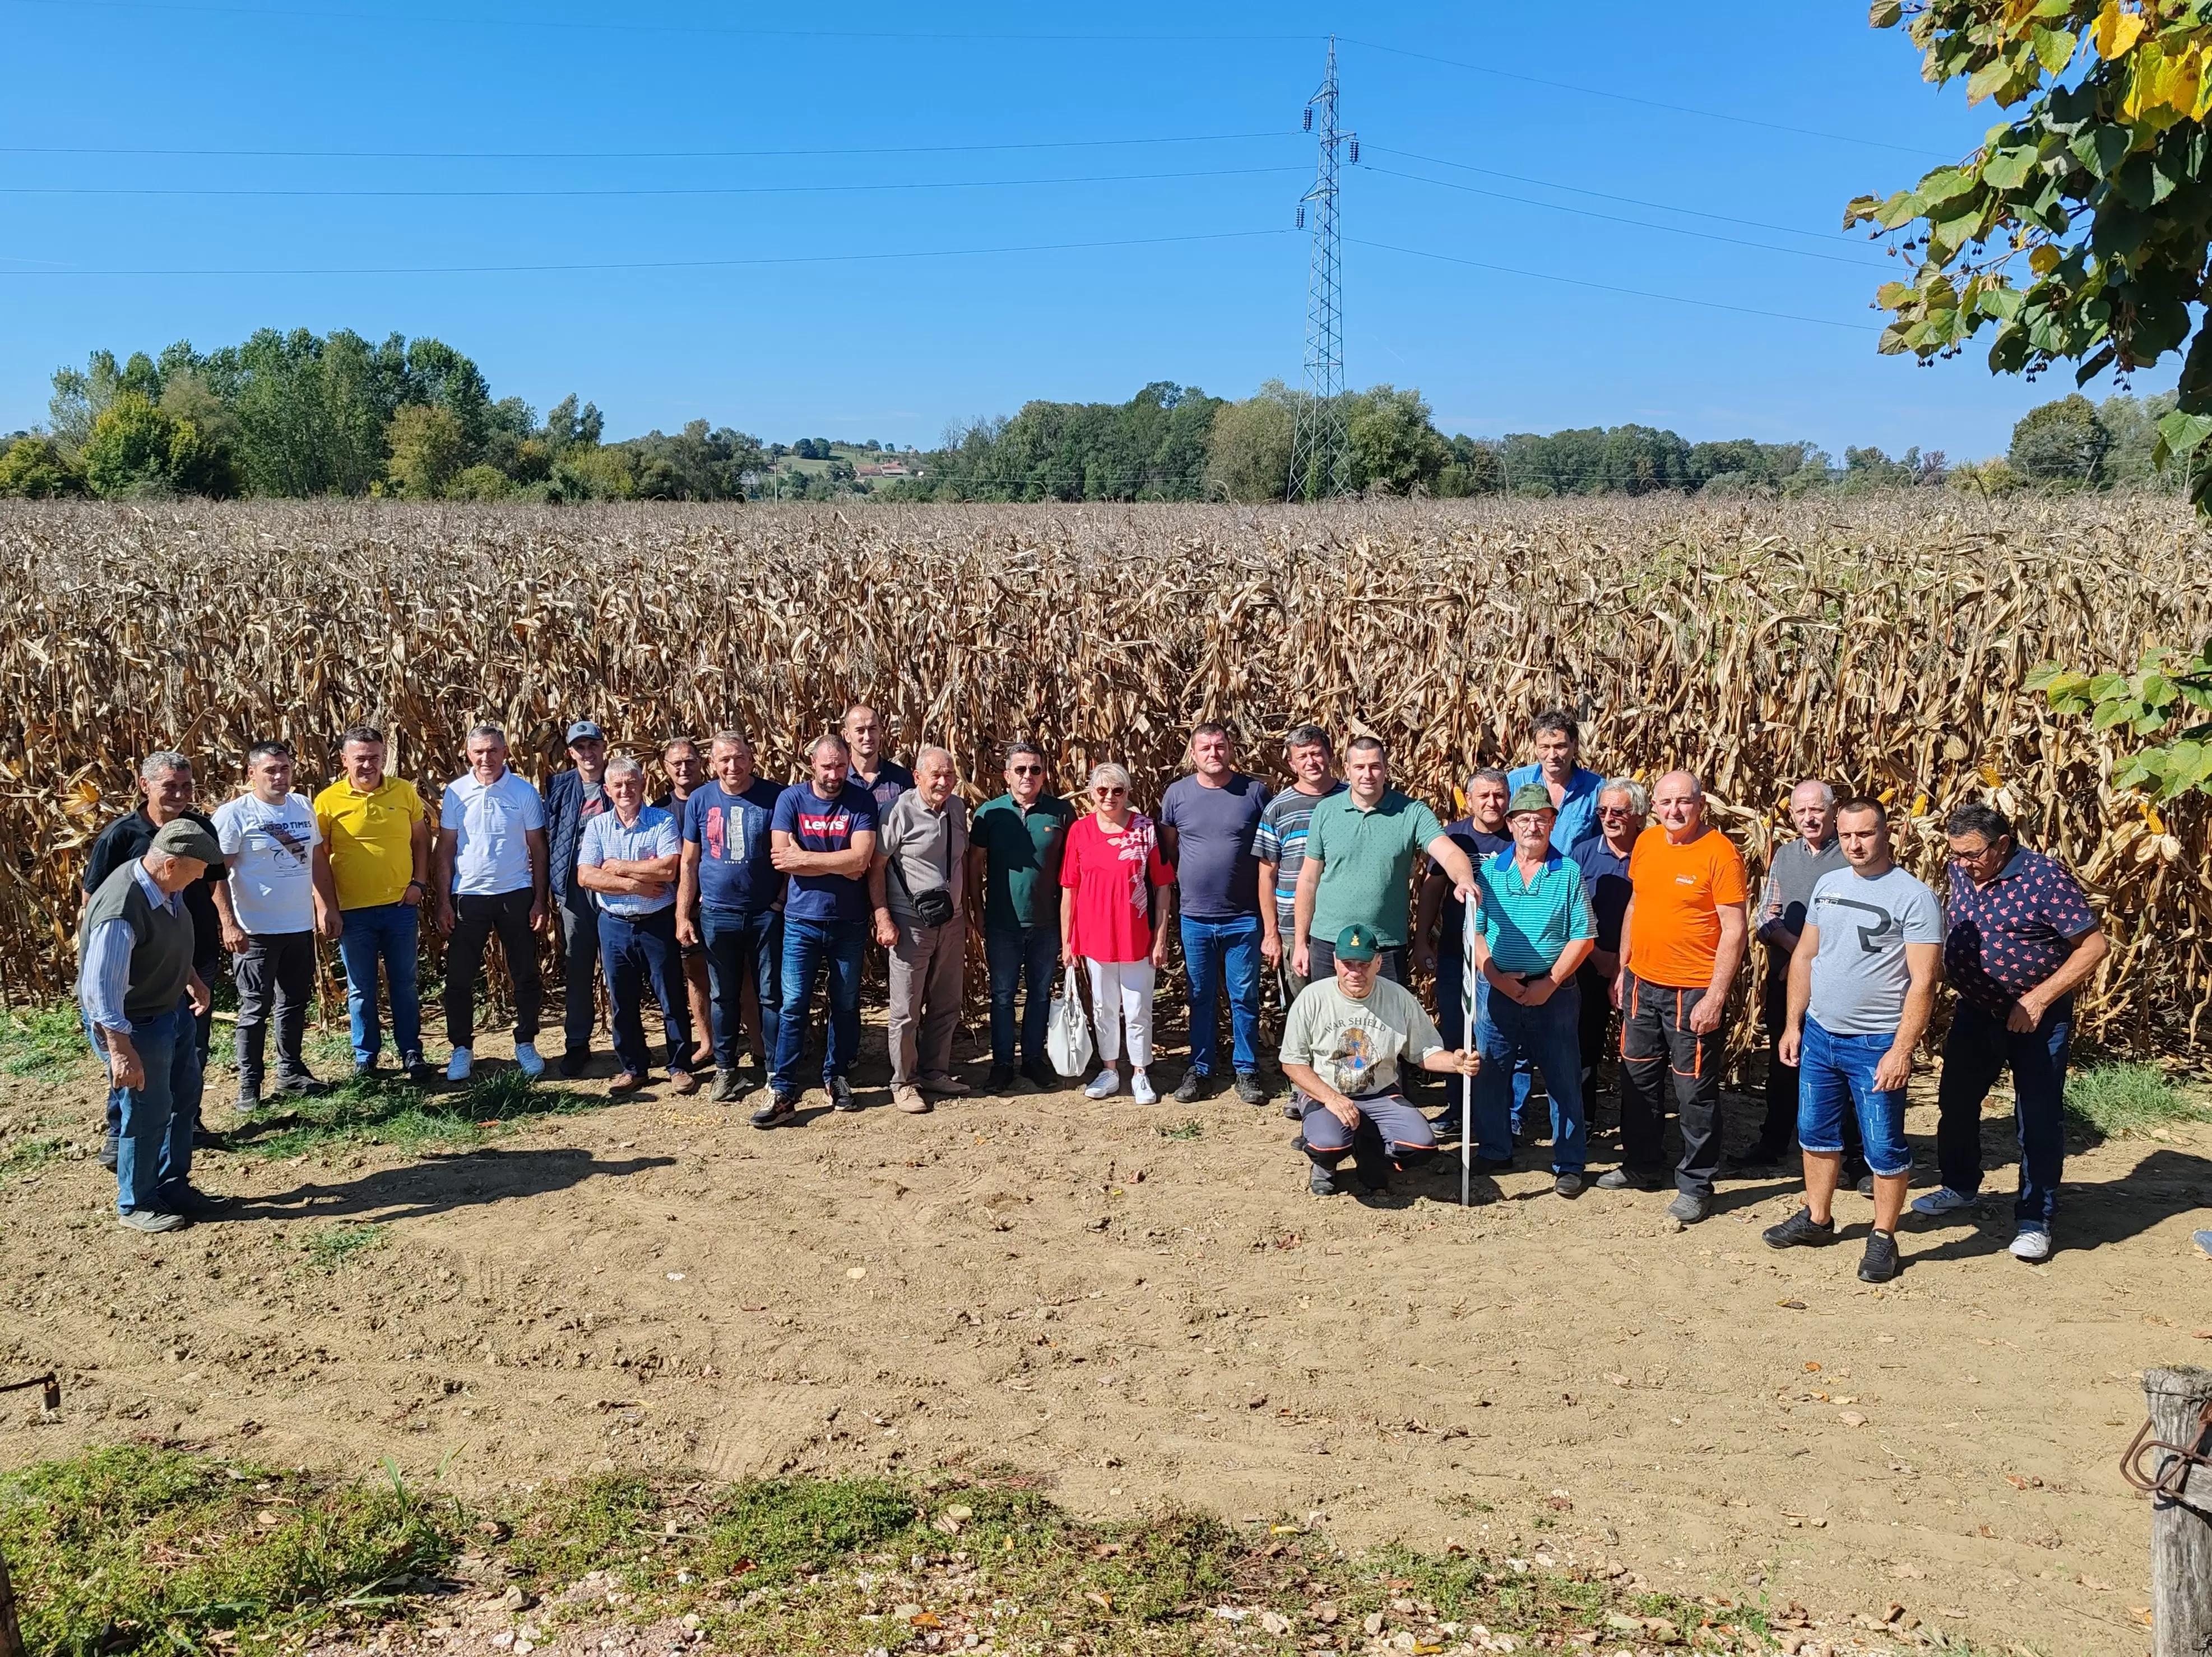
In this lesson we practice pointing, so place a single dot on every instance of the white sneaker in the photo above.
(527, 1061)
(459, 1066)
(1941, 1200)
(1141, 1089)
(1104, 1085)
(2032, 1245)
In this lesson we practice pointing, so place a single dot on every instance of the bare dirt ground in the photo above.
(1064, 1288)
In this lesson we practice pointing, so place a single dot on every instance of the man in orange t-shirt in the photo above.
(1681, 943)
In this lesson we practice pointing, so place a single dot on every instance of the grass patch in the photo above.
(28, 1152)
(42, 1041)
(131, 1549)
(2124, 1098)
(334, 1245)
(1189, 1128)
(388, 1110)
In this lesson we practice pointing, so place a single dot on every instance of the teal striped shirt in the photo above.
(1527, 926)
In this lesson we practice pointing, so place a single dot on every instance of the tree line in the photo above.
(304, 415)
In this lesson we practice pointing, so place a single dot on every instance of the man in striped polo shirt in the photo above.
(1536, 930)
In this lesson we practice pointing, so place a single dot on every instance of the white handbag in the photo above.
(1067, 1032)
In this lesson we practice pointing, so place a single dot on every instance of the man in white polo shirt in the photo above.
(628, 858)
(278, 896)
(491, 876)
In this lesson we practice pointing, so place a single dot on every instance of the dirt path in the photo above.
(1045, 1283)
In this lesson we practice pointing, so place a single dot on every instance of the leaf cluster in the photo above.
(2168, 696)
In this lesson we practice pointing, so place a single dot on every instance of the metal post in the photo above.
(1466, 1041)
(1320, 447)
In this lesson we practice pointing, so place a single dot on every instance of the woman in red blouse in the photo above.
(1113, 919)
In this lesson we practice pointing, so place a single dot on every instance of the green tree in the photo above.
(2080, 229)
(2062, 441)
(429, 447)
(482, 482)
(33, 467)
(1394, 448)
(136, 449)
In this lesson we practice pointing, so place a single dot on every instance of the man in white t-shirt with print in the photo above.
(1863, 983)
(490, 867)
(278, 893)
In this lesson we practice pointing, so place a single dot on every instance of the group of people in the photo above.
(1554, 913)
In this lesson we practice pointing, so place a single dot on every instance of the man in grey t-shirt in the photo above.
(1797, 865)
(1861, 985)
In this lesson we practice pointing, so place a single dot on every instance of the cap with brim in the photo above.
(586, 730)
(185, 839)
(1530, 797)
(1355, 942)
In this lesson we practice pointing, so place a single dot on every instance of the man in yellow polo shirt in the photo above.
(379, 835)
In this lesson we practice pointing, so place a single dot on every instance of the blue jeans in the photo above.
(154, 1141)
(385, 933)
(1023, 961)
(636, 950)
(809, 948)
(1214, 951)
(1549, 1038)
(1975, 1055)
(741, 948)
(1836, 1070)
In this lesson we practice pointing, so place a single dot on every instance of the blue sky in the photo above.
(473, 170)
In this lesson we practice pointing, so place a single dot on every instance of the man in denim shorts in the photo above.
(1861, 985)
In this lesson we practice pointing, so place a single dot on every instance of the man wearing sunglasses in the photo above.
(2018, 938)
(1013, 861)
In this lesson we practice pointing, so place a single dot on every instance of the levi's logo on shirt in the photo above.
(828, 824)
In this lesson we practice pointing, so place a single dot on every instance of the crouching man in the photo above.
(1343, 1042)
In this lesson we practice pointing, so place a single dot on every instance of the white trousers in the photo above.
(1122, 995)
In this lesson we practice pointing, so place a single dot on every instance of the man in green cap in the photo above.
(1343, 1040)
(1358, 867)
(140, 998)
(1536, 929)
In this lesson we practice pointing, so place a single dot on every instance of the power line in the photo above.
(197, 192)
(668, 265)
(630, 155)
(1320, 444)
(1609, 287)
(1647, 103)
(1615, 218)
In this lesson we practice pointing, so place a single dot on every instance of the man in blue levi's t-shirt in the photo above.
(823, 837)
(729, 880)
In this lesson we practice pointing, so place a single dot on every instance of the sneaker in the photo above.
(151, 1221)
(1753, 1159)
(1192, 1089)
(1626, 1179)
(1493, 1165)
(1567, 1185)
(909, 1100)
(1689, 1207)
(107, 1151)
(1001, 1080)
(728, 1088)
(1141, 1089)
(527, 1061)
(193, 1204)
(249, 1100)
(459, 1067)
(1293, 1111)
(1104, 1085)
(628, 1082)
(840, 1093)
(364, 1070)
(207, 1138)
(945, 1086)
(780, 1107)
(574, 1062)
(1800, 1231)
(1250, 1088)
(419, 1073)
(1322, 1181)
(303, 1086)
(1042, 1075)
(2032, 1245)
(1880, 1263)
(682, 1081)
(1865, 1186)
(1941, 1200)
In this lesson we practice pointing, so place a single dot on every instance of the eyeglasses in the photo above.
(1027, 770)
(1615, 812)
(1104, 789)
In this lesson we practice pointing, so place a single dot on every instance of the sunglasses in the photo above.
(1104, 789)
(1027, 770)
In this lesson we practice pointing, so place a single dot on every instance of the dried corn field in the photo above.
(1880, 642)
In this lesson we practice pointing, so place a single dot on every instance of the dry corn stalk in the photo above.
(1880, 642)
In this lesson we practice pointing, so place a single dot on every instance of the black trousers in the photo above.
(276, 975)
(1596, 1024)
(477, 916)
(1662, 1058)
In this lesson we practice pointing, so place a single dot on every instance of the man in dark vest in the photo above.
(140, 998)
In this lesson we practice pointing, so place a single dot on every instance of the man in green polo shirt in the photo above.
(1013, 862)
(1358, 867)
(1536, 930)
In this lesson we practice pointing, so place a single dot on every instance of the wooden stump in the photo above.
(11, 1635)
(2181, 1522)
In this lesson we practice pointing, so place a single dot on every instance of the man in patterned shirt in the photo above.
(2018, 938)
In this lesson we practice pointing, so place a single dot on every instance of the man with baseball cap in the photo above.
(573, 799)
(1535, 930)
(140, 998)
(1343, 1040)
